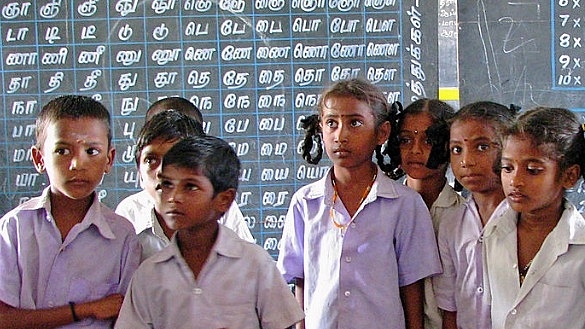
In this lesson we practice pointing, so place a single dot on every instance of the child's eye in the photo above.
(456, 149)
(534, 170)
(507, 168)
(331, 123)
(93, 151)
(404, 140)
(151, 161)
(483, 147)
(191, 187)
(62, 151)
(428, 141)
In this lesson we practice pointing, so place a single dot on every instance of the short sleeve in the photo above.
(444, 284)
(10, 276)
(291, 256)
(277, 306)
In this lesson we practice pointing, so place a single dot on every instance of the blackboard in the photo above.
(254, 68)
(528, 53)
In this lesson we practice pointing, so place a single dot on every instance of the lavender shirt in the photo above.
(353, 281)
(238, 287)
(38, 270)
(461, 287)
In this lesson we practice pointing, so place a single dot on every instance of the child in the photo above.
(66, 259)
(207, 277)
(357, 244)
(423, 155)
(475, 144)
(536, 250)
(156, 137)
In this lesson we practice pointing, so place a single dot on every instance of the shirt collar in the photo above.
(571, 225)
(226, 244)
(94, 215)
(383, 187)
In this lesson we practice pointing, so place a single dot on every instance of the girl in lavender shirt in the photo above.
(356, 244)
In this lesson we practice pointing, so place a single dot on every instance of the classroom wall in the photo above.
(254, 68)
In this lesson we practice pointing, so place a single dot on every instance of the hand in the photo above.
(105, 308)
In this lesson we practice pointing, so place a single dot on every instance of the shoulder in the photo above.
(117, 223)
(230, 245)
(26, 211)
(312, 190)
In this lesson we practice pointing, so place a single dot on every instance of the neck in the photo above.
(198, 239)
(73, 209)
(429, 189)
(352, 176)
(487, 203)
(543, 219)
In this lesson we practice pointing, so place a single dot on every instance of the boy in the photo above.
(156, 137)
(206, 276)
(65, 258)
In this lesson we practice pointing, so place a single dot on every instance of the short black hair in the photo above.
(212, 156)
(179, 104)
(74, 107)
(169, 126)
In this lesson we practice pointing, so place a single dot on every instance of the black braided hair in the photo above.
(392, 146)
(310, 125)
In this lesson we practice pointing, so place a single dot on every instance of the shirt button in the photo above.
(515, 266)
(479, 290)
(352, 225)
(197, 291)
(514, 312)
(348, 259)
(347, 294)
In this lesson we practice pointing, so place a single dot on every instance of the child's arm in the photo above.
(105, 308)
(449, 320)
(412, 302)
(300, 297)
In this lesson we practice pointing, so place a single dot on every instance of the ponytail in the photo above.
(312, 138)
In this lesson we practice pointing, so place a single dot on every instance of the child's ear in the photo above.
(111, 157)
(224, 199)
(37, 158)
(571, 175)
(384, 132)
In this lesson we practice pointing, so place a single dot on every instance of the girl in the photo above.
(536, 250)
(475, 145)
(356, 243)
(423, 140)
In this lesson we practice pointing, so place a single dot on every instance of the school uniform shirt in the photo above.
(238, 287)
(138, 208)
(553, 292)
(352, 280)
(460, 288)
(39, 270)
(447, 205)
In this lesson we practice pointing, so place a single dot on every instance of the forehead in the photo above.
(346, 106)
(416, 120)
(472, 129)
(179, 173)
(86, 129)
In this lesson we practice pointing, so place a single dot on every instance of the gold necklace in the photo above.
(340, 226)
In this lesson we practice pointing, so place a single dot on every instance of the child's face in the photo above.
(474, 155)
(349, 131)
(150, 163)
(532, 181)
(185, 198)
(75, 155)
(415, 147)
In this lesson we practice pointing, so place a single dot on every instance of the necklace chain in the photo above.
(340, 226)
